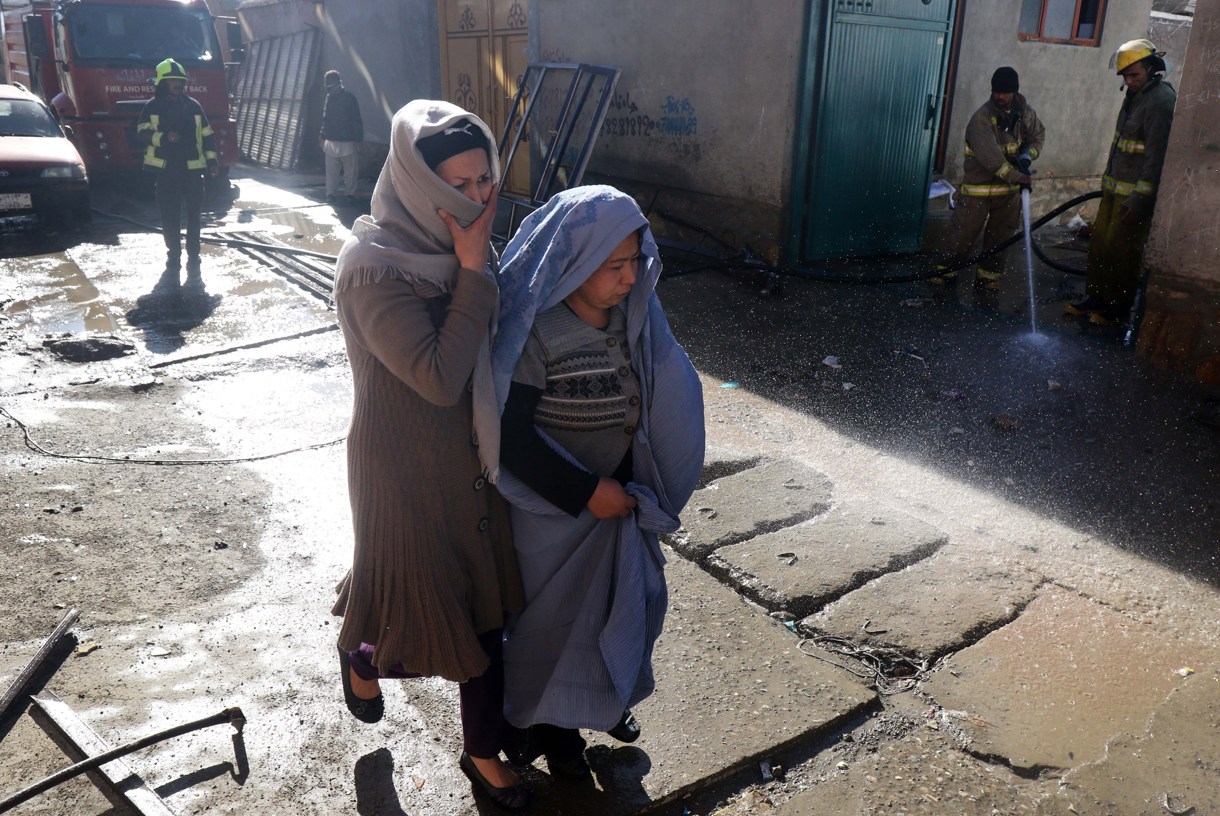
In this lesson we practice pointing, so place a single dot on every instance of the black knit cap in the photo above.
(1004, 80)
(459, 137)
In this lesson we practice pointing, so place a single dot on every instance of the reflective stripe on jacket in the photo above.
(1141, 135)
(990, 145)
(161, 115)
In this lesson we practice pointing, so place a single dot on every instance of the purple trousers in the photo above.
(481, 698)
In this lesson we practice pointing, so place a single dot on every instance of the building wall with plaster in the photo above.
(387, 52)
(1181, 325)
(1072, 87)
(703, 119)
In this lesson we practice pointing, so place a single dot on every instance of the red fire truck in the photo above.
(94, 60)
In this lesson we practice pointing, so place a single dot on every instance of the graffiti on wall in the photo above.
(676, 118)
(625, 118)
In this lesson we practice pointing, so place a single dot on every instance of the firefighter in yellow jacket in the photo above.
(1129, 185)
(1002, 138)
(179, 146)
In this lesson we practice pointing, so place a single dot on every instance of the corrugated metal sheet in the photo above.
(271, 97)
(879, 96)
(17, 61)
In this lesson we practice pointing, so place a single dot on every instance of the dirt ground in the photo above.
(203, 586)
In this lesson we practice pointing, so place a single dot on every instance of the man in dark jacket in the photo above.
(340, 138)
(179, 146)
(1129, 184)
(1002, 138)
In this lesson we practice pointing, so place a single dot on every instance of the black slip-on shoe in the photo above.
(515, 797)
(628, 728)
(369, 711)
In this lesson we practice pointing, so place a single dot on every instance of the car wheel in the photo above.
(82, 216)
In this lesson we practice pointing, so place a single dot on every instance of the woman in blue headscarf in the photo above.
(601, 446)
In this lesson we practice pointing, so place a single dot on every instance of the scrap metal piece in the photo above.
(84, 742)
(1189, 811)
(232, 716)
(36, 661)
(557, 114)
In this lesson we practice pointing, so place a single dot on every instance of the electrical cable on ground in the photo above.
(114, 460)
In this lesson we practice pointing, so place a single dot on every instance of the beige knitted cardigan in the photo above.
(433, 564)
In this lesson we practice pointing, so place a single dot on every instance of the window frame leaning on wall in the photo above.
(1045, 8)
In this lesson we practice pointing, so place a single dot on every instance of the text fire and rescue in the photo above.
(147, 89)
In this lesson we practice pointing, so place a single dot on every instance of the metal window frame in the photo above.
(1093, 41)
(521, 115)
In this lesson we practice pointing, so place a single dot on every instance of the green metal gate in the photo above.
(875, 76)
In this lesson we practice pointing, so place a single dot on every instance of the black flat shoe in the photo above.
(368, 711)
(515, 797)
(628, 728)
(569, 766)
(520, 746)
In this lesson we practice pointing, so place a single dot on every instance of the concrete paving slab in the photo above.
(1173, 764)
(921, 774)
(802, 568)
(774, 495)
(919, 612)
(1075, 675)
(731, 687)
(719, 462)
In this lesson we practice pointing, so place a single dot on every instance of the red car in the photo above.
(41, 172)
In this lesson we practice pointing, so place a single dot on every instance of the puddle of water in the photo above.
(259, 412)
(67, 301)
(254, 287)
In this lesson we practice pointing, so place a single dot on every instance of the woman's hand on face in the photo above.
(610, 500)
(470, 243)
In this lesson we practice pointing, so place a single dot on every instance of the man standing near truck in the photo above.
(179, 147)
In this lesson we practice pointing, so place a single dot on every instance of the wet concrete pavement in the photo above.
(1014, 534)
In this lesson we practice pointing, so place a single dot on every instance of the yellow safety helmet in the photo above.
(1132, 52)
(170, 69)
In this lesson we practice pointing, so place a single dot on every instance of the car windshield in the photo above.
(21, 117)
(142, 35)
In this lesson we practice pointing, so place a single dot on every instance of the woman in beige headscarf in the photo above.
(433, 573)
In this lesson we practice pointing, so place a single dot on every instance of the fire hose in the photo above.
(746, 259)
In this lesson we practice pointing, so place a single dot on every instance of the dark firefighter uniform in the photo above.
(988, 199)
(1129, 189)
(179, 161)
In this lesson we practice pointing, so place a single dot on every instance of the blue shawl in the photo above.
(581, 652)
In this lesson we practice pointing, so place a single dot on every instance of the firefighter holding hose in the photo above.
(1002, 138)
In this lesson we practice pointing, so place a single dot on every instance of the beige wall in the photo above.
(387, 51)
(703, 118)
(1071, 87)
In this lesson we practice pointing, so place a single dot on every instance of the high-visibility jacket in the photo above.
(196, 146)
(994, 139)
(1140, 137)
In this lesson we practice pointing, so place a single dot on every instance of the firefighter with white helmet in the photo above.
(179, 146)
(1129, 184)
